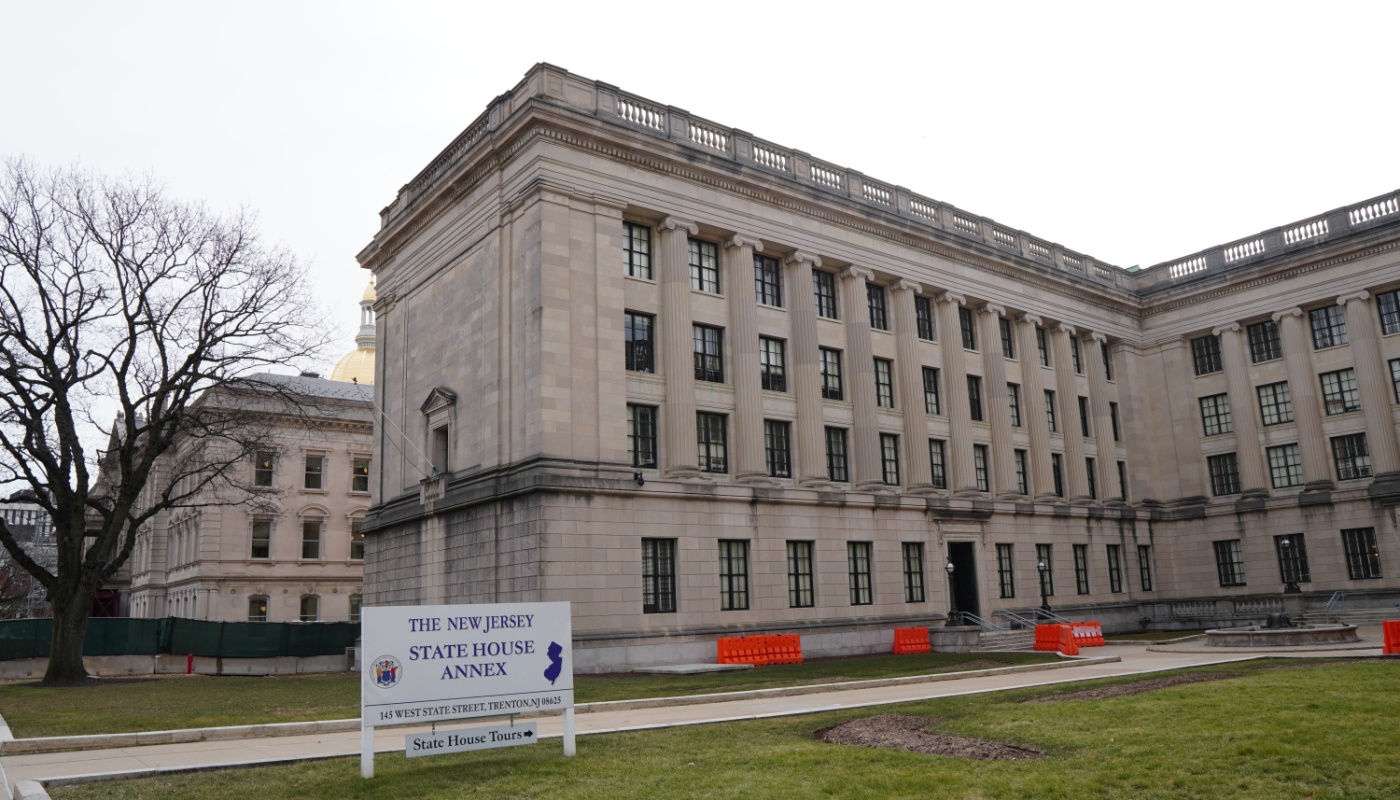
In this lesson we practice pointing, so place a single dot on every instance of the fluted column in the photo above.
(1307, 409)
(998, 401)
(1042, 480)
(1373, 383)
(1076, 479)
(1105, 451)
(749, 463)
(961, 478)
(867, 475)
(682, 454)
(1254, 479)
(918, 474)
(806, 371)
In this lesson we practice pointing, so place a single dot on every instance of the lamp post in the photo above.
(1290, 567)
(1041, 567)
(953, 614)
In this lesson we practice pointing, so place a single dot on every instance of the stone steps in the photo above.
(1010, 640)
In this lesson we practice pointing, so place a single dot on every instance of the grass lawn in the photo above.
(121, 705)
(1270, 733)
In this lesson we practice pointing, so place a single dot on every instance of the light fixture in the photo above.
(641, 481)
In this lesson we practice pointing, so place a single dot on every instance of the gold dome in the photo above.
(369, 295)
(357, 365)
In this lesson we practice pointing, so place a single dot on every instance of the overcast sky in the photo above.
(1132, 132)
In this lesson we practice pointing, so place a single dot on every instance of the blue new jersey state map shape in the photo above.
(556, 662)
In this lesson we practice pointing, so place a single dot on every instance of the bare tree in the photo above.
(118, 302)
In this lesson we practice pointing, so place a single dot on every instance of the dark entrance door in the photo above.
(963, 555)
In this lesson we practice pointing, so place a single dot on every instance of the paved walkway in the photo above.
(134, 761)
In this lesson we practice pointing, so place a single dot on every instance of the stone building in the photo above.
(699, 383)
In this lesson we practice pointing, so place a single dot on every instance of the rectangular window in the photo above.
(709, 353)
(979, 467)
(889, 458)
(879, 315)
(777, 436)
(913, 572)
(932, 405)
(1022, 484)
(1091, 474)
(1074, 354)
(262, 468)
(311, 538)
(1205, 353)
(836, 455)
(1114, 553)
(1057, 472)
(1229, 562)
(641, 435)
(923, 316)
(359, 473)
(969, 328)
(772, 363)
(357, 540)
(711, 435)
(1224, 474)
(1264, 344)
(1123, 479)
(1145, 566)
(884, 383)
(1013, 399)
(768, 281)
(356, 604)
(1050, 410)
(1113, 417)
(1006, 578)
(1047, 575)
(1081, 568)
(1329, 327)
(1339, 394)
(658, 576)
(1275, 403)
(1084, 427)
(799, 568)
(439, 447)
(1041, 346)
(262, 539)
(1285, 466)
(858, 564)
(824, 287)
(1351, 456)
(1363, 557)
(1008, 343)
(1107, 361)
(1215, 415)
(1388, 306)
(1395, 377)
(974, 397)
(831, 374)
(704, 266)
(938, 463)
(636, 250)
(1292, 552)
(733, 574)
(639, 341)
(315, 472)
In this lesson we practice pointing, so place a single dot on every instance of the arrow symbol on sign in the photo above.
(528, 734)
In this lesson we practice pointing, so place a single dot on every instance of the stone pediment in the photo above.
(439, 398)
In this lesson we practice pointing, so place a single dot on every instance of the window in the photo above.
(636, 250)
(799, 560)
(438, 446)
(1091, 473)
(768, 281)
(1224, 474)
(1057, 472)
(1008, 344)
(1339, 394)
(1084, 418)
(1215, 415)
(641, 435)
(938, 464)
(1123, 479)
(257, 608)
(311, 538)
(1292, 552)
(858, 562)
(1351, 456)
(704, 266)
(1074, 354)
(1145, 566)
(262, 468)
(1107, 361)
(875, 298)
(640, 343)
(733, 574)
(1205, 352)
(262, 539)
(1285, 466)
(1047, 576)
(831, 374)
(884, 383)
(310, 608)
(709, 354)
(1019, 459)
(1013, 399)
(1081, 568)
(836, 455)
(777, 436)
(974, 397)
(933, 406)
(968, 327)
(357, 539)
(1395, 377)
(1229, 563)
(1329, 327)
(824, 287)
(923, 316)
(1388, 306)
(913, 572)
(1006, 579)
(772, 363)
(1275, 403)
(711, 437)
(1363, 557)
(357, 602)
(359, 473)
(315, 472)
(889, 458)
(658, 576)
(1114, 553)
(1041, 346)
(979, 467)
(1050, 410)
(1264, 344)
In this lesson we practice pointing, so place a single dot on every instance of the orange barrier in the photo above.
(1067, 645)
(1088, 634)
(911, 640)
(1392, 637)
(1047, 638)
(760, 651)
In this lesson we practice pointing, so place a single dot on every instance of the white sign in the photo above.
(474, 739)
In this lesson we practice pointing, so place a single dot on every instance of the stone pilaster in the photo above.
(961, 478)
(1373, 384)
(867, 475)
(806, 370)
(1042, 481)
(918, 475)
(1105, 451)
(1066, 388)
(998, 401)
(1254, 479)
(1307, 408)
(678, 348)
(749, 463)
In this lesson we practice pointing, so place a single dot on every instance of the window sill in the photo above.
(639, 279)
(304, 490)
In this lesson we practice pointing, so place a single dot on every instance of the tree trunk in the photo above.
(70, 621)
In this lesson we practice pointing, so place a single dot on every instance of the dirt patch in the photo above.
(902, 732)
(1125, 689)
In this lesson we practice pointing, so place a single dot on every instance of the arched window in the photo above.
(257, 608)
(355, 602)
(310, 608)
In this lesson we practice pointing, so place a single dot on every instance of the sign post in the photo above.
(433, 663)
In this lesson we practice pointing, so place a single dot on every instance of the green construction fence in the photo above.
(118, 636)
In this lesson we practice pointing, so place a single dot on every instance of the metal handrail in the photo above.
(1334, 604)
(1030, 616)
(968, 616)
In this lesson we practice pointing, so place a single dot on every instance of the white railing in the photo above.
(1004, 237)
(877, 194)
(1039, 249)
(1235, 252)
(769, 157)
(706, 136)
(827, 176)
(964, 223)
(1376, 210)
(639, 113)
(1073, 262)
(922, 209)
(1188, 267)
(1308, 230)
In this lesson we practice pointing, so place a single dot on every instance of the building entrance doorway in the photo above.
(963, 556)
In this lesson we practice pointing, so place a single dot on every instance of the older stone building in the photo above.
(699, 383)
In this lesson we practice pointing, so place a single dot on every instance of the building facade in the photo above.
(698, 383)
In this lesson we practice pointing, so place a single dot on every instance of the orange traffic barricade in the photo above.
(1067, 645)
(911, 640)
(1391, 627)
(760, 650)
